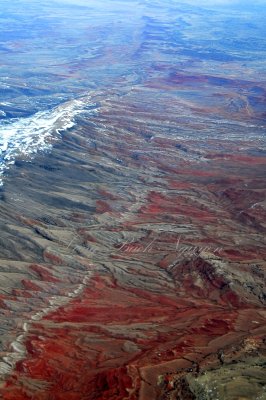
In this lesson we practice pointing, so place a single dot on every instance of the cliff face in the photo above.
(133, 260)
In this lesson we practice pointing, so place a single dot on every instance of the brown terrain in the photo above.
(133, 255)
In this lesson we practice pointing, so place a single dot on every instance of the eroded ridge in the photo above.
(133, 264)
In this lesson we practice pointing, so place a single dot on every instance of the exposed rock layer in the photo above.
(132, 263)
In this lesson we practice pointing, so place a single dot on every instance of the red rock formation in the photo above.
(142, 276)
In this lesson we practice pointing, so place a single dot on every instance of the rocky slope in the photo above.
(133, 256)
